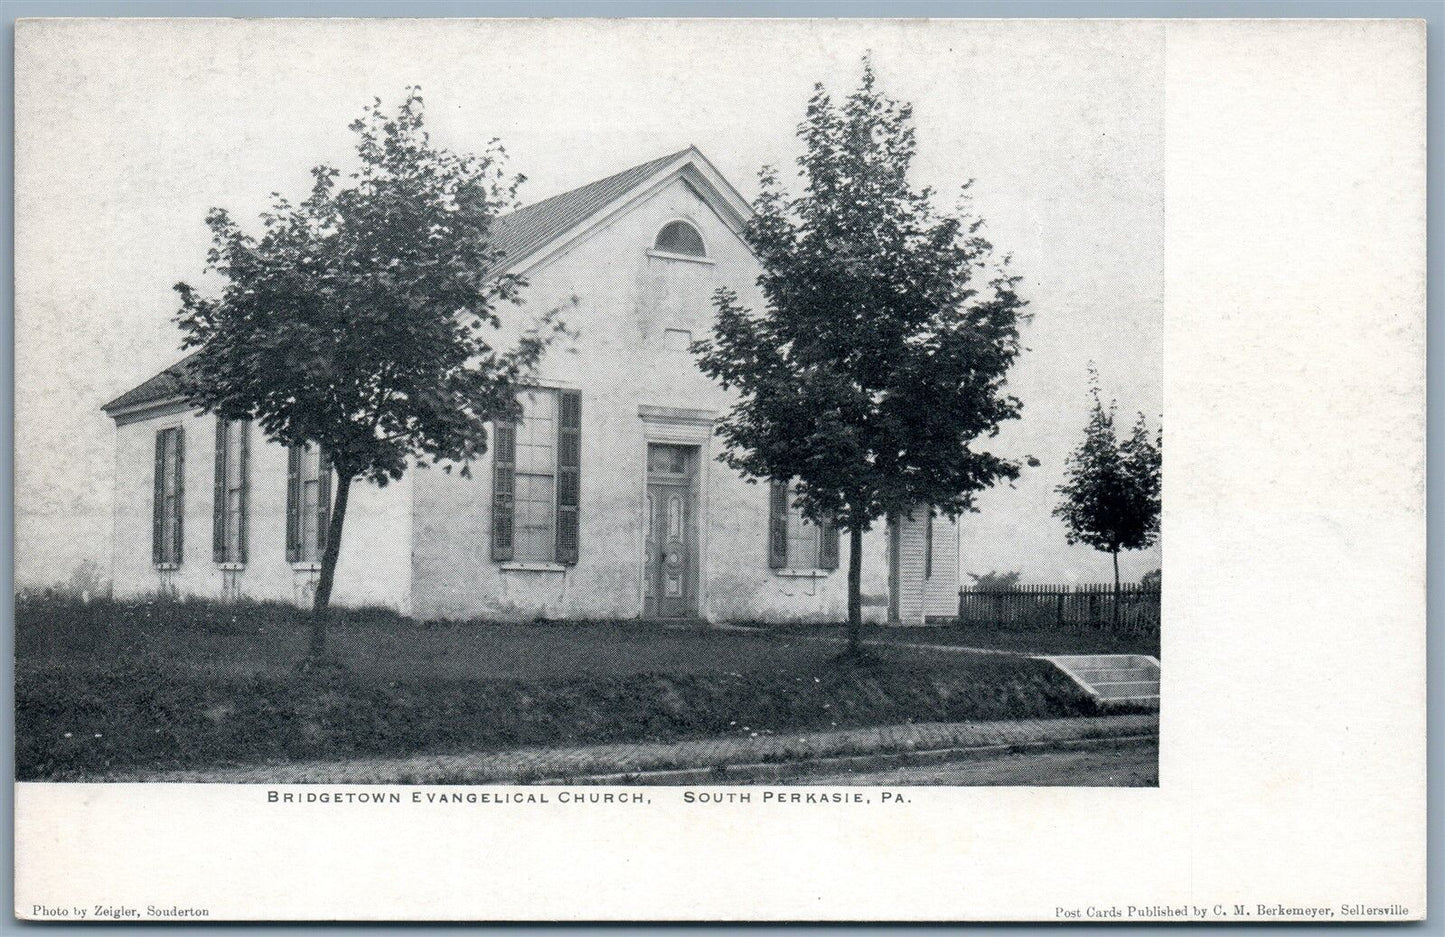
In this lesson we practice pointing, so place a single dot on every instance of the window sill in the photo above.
(804, 573)
(524, 566)
(230, 567)
(690, 258)
(166, 567)
(306, 567)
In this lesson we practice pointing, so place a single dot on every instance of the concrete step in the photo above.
(1133, 688)
(1113, 679)
(1115, 674)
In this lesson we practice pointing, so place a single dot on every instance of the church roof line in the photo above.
(518, 235)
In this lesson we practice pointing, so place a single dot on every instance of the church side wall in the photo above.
(374, 567)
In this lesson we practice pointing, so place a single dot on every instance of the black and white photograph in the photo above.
(441, 427)
(607, 413)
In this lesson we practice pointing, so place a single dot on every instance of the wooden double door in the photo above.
(670, 568)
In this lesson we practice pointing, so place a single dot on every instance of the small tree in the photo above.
(359, 320)
(1111, 488)
(879, 359)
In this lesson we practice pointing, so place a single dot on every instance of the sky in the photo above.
(128, 131)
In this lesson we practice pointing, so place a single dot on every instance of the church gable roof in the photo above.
(164, 386)
(518, 235)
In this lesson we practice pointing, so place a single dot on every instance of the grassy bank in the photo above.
(1020, 639)
(107, 686)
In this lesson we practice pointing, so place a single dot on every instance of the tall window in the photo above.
(308, 503)
(536, 505)
(536, 480)
(311, 504)
(229, 525)
(679, 237)
(802, 538)
(168, 528)
(794, 542)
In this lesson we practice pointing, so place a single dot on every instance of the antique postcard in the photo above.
(662, 469)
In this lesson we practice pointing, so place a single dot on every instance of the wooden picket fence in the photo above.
(1072, 607)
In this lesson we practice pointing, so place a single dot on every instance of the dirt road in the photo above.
(1135, 764)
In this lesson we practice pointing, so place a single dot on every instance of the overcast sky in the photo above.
(129, 130)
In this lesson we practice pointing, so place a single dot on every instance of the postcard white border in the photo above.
(1292, 758)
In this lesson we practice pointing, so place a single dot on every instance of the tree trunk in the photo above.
(320, 608)
(855, 590)
(1116, 587)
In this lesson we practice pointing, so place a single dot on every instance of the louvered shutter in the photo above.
(241, 528)
(179, 545)
(569, 472)
(323, 500)
(246, 490)
(504, 483)
(828, 545)
(778, 525)
(158, 546)
(293, 504)
(218, 497)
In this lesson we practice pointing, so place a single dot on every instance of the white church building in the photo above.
(606, 501)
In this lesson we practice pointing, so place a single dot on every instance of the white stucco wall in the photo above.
(625, 300)
(374, 567)
(423, 546)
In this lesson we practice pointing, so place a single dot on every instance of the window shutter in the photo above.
(828, 545)
(504, 482)
(241, 532)
(323, 500)
(218, 497)
(569, 471)
(928, 546)
(778, 525)
(293, 504)
(179, 546)
(158, 547)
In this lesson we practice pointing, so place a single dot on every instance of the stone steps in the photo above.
(1116, 674)
(1113, 679)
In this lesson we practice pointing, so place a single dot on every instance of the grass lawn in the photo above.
(1022, 639)
(187, 684)
(265, 639)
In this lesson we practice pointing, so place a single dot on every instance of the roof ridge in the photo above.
(596, 182)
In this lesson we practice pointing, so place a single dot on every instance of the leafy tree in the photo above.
(994, 581)
(879, 358)
(1112, 486)
(362, 319)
